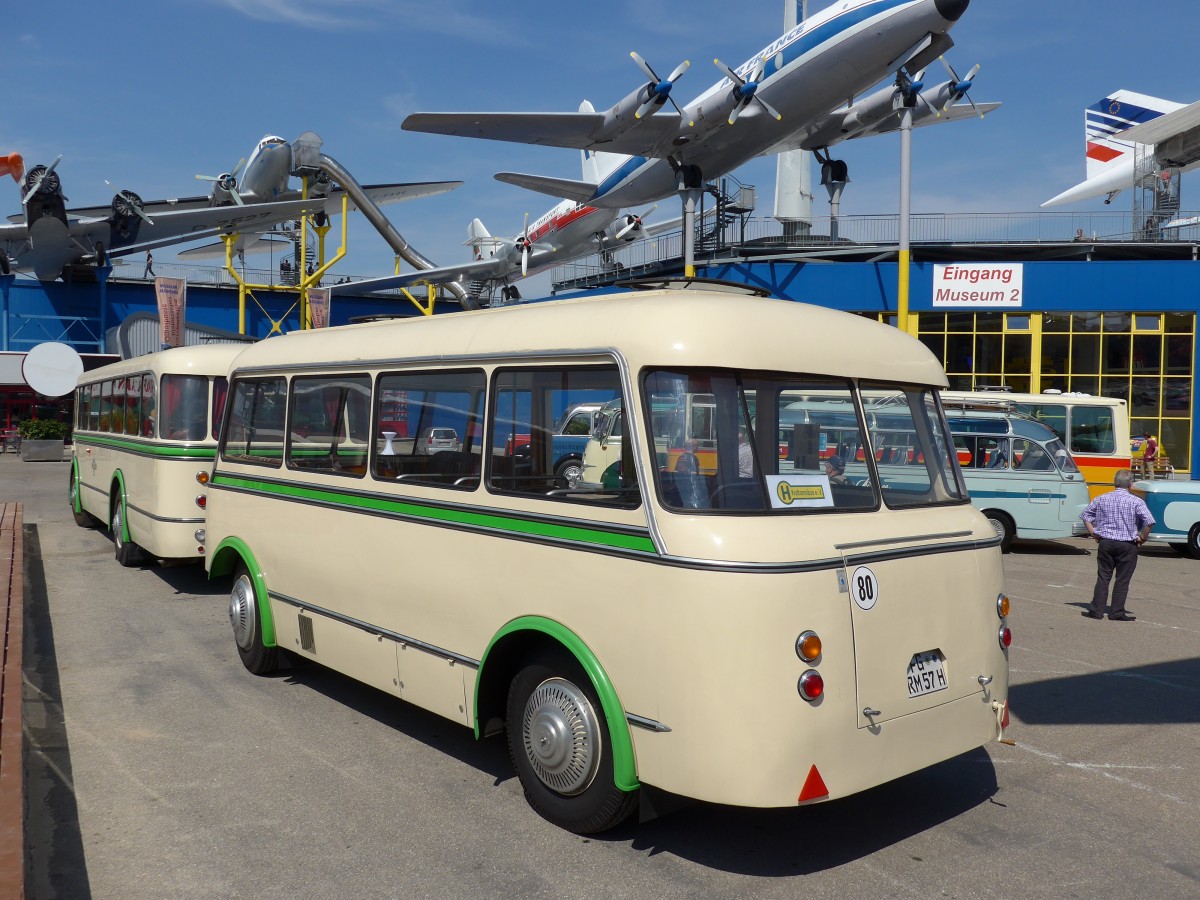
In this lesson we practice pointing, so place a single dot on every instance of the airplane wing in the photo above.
(563, 188)
(383, 194)
(496, 267)
(1166, 126)
(955, 113)
(440, 275)
(185, 225)
(380, 193)
(247, 243)
(574, 131)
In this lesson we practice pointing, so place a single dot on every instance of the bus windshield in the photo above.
(772, 443)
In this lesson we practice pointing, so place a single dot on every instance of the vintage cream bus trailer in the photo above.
(145, 435)
(756, 634)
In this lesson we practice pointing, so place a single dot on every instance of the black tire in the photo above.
(1193, 542)
(247, 625)
(82, 518)
(570, 471)
(128, 553)
(1181, 549)
(567, 782)
(1003, 525)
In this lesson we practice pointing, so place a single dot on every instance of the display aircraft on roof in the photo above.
(266, 177)
(47, 237)
(790, 95)
(1114, 126)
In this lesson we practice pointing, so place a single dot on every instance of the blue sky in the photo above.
(147, 94)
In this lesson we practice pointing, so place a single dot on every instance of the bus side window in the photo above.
(526, 456)
(428, 428)
(328, 416)
(254, 432)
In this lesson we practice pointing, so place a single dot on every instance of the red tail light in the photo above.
(811, 685)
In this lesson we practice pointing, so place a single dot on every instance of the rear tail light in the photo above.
(811, 685)
(1005, 637)
(202, 501)
(808, 646)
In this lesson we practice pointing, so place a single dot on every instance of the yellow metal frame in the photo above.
(306, 280)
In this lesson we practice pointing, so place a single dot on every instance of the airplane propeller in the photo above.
(746, 90)
(126, 202)
(227, 181)
(523, 244)
(911, 88)
(39, 178)
(660, 89)
(633, 221)
(958, 90)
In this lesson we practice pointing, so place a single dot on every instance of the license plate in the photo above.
(926, 674)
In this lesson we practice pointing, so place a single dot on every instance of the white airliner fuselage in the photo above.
(806, 73)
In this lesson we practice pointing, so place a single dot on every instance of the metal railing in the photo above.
(762, 235)
(218, 276)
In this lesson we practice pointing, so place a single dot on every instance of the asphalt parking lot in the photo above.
(158, 767)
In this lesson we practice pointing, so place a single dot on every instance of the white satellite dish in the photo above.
(52, 369)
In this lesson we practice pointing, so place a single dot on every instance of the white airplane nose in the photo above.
(951, 10)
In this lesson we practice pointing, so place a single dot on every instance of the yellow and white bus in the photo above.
(145, 434)
(1094, 429)
(758, 635)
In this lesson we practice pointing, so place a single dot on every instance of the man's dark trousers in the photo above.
(1121, 556)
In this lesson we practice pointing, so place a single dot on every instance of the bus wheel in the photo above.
(570, 471)
(1003, 526)
(558, 741)
(127, 552)
(82, 518)
(247, 625)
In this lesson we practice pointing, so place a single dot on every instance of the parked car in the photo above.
(434, 439)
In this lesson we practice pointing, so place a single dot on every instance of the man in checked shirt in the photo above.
(1119, 522)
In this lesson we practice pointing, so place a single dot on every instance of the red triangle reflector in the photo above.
(814, 787)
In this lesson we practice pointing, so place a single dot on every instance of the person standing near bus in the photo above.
(1119, 522)
(1149, 455)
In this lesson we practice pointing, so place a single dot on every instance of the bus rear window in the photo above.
(184, 408)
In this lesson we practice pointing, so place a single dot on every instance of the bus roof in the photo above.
(653, 328)
(1000, 398)
(202, 359)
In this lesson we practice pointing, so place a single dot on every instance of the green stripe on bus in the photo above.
(496, 522)
(148, 448)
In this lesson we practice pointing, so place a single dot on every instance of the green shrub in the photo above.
(42, 430)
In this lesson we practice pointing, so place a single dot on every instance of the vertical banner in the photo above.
(318, 307)
(172, 301)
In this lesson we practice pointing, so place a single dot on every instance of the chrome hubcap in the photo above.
(560, 732)
(241, 612)
(117, 529)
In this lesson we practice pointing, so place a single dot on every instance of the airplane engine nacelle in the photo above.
(125, 219)
(223, 188)
(620, 118)
(625, 228)
(48, 201)
(320, 185)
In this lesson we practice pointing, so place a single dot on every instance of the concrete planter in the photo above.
(43, 451)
